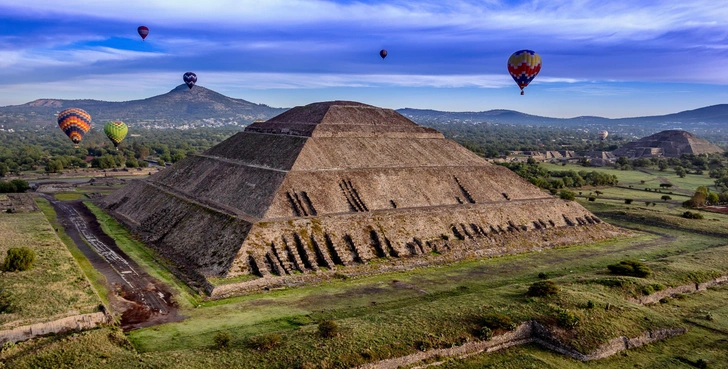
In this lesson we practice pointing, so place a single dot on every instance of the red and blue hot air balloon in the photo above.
(383, 53)
(523, 66)
(74, 122)
(143, 31)
(190, 79)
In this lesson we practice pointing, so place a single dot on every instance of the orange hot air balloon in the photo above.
(74, 122)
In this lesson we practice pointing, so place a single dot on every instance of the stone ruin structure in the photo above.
(669, 144)
(328, 188)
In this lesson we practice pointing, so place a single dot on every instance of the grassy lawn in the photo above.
(142, 255)
(55, 287)
(68, 196)
(399, 313)
(705, 339)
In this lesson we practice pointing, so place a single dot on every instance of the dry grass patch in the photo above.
(54, 288)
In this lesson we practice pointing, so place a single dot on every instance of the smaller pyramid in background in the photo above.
(669, 144)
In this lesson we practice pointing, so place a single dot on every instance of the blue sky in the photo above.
(607, 58)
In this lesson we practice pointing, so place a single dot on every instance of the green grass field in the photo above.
(399, 313)
(68, 196)
(55, 287)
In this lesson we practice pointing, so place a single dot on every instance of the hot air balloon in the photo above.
(383, 53)
(523, 66)
(190, 79)
(74, 123)
(143, 31)
(116, 131)
(603, 135)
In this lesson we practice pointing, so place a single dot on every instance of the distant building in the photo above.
(670, 144)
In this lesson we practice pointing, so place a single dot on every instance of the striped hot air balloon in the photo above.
(116, 131)
(190, 79)
(74, 122)
(143, 32)
(523, 66)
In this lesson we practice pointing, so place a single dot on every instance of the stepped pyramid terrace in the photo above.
(670, 143)
(330, 187)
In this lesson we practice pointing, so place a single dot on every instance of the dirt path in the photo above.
(142, 300)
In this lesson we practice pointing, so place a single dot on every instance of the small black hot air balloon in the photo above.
(190, 79)
(143, 31)
(383, 53)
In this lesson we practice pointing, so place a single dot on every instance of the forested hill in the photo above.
(703, 121)
(182, 106)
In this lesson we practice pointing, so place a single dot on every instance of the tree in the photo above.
(662, 165)
(713, 198)
(54, 166)
(666, 197)
(622, 161)
(681, 172)
(4, 169)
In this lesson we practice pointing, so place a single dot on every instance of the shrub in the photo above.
(328, 329)
(592, 198)
(567, 195)
(590, 304)
(666, 197)
(265, 342)
(542, 275)
(701, 364)
(498, 321)
(691, 215)
(485, 333)
(567, 319)
(542, 288)
(628, 201)
(222, 339)
(630, 268)
(19, 259)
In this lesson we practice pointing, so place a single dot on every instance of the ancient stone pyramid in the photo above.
(670, 143)
(329, 187)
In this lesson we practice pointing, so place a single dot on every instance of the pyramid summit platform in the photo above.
(327, 188)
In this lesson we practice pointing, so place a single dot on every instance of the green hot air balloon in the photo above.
(116, 131)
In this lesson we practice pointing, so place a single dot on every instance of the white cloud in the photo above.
(597, 20)
(30, 59)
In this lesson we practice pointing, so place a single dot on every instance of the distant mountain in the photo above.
(180, 107)
(715, 114)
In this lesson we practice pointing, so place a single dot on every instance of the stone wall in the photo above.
(527, 332)
(71, 323)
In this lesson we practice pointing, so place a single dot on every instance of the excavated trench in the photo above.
(140, 299)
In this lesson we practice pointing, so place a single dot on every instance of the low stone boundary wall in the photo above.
(76, 322)
(684, 289)
(527, 332)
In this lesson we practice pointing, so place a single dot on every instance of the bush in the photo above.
(666, 197)
(691, 215)
(328, 329)
(567, 195)
(222, 339)
(628, 201)
(701, 364)
(485, 333)
(265, 342)
(542, 275)
(567, 319)
(19, 259)
(498, 321)
(542, 288)
(590, 304)
(630, 268)
(592, 198)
